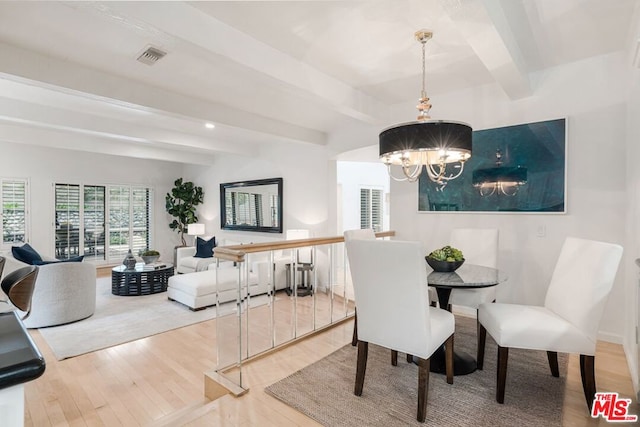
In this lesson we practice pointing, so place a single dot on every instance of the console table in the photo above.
(142, 280)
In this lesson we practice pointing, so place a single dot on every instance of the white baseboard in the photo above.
(609, 337)
(633, 369)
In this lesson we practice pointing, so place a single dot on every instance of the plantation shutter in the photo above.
(119, 220)
(365, 208)
(243, 208)
(257, 202)
(140, 201)
(94, 226)
(371, 208)
(67, 220)
(376, 210)
(14, 211)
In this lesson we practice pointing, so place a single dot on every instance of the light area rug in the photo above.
(324, 390)
(120, 319)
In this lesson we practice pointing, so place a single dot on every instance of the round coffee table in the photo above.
(142, 280)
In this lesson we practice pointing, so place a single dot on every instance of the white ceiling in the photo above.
(264, 72)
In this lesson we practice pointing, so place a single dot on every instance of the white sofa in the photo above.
(197, 290)
(65, 292)
(186, 262)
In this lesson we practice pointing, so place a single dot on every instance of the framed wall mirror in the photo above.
(252, 205)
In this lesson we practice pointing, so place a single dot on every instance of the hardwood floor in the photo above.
(158, 381)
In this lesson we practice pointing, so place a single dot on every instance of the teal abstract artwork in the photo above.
(518, 168)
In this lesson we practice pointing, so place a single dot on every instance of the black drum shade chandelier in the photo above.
(425, 143)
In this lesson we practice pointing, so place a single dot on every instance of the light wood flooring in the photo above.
(159, 381)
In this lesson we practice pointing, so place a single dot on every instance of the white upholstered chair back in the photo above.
(359, 234)
(390, 285)
(581, 282)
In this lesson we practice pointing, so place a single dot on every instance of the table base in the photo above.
(463, 364)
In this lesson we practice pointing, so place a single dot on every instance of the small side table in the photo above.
(142, 280)
(304, 287)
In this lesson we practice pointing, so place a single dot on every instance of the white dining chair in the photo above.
(569, 320)
(389, 280)
(349, 236)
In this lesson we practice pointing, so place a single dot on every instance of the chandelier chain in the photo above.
(424, 71)
(423, 103)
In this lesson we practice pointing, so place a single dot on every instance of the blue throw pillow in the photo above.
(26, 254)
(78, 258)
(204, 248)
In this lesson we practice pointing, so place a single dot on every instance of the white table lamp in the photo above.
(195, 229)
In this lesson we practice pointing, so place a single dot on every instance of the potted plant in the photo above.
(446, 259)
(181, 203)
(149, 256)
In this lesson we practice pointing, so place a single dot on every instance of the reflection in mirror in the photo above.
(252, 205)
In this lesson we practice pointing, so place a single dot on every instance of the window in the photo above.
(67, 220)
(101, 222)
(94, 226)
(245, 208)
(371, 208)
(13, 198)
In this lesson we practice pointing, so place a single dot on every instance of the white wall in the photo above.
(592, 95)
(632, 250)
(305, 170)
(46, 166)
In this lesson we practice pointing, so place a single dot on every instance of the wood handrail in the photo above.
(237, 252)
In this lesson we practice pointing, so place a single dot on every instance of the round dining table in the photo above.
(468, 276)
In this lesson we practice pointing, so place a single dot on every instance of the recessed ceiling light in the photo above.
(209, 125)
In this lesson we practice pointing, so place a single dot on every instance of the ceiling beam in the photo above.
(488, 27)
(82, 122)
(52, 138)
(222, 40)
(72, 78)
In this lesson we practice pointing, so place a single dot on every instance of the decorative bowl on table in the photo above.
(149, 256)
(445, 260)
(150, 259)
(443, 266)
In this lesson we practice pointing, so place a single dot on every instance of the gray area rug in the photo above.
(324, 390)
(120, 319)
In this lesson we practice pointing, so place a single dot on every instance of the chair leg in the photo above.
(448, 359)
(361, 366)
(423, 388)
(482, 338)
(553, 363)
(503, 356)
(354, 339)
(394, 357)
(588, 373)
(409, 358)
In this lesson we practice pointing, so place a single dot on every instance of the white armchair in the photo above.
(186, 262)
(64, 292)
(569, 320)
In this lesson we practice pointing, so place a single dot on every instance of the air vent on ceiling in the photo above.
(151, 55)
